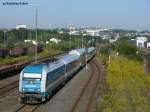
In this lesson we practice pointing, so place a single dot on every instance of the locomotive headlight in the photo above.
(23, 89)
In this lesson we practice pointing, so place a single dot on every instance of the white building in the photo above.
(18, 26)
(31, 41)
(106, 36)
(54, 40)
(27, 41)
(112, 40)
(148, 44)
(93, 32)
(141, 41)
(73, 31)
(60, 32)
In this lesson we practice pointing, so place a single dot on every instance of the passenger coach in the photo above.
(81, 53)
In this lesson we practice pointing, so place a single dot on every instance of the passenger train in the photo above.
(38, 81)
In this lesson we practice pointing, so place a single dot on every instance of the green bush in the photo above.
(126, 49)
(125, 87)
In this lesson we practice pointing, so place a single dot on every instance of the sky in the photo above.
(126, 14)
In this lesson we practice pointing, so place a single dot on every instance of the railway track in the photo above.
(94, 77)
(7, 88)
(27, 108)
(95, 87)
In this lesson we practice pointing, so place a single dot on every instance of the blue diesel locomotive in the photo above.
(38, 81)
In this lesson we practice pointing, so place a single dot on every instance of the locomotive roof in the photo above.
(37, 68)
(90, 49)
(79, 51)
(69, 58)
(53, 63)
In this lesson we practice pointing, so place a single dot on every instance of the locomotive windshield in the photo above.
(32, 75)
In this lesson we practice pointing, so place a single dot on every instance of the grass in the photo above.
(46, 52)
(125, 87)
(10, 60)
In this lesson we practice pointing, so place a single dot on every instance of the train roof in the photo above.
(37, 68)
(50, 64)
(54, 65)
(51, 60)
(90, 49)
(79, 51)
(69, 58)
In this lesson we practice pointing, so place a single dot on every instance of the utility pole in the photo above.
(70, 44)
(82, 41)
(36, 34)
(70, 29)
(78, 43)
(86, 47)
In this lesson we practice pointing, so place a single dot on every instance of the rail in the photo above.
(7, 88)
(27, 108)
(95, 71)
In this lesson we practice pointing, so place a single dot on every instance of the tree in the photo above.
(1, 36)
(10, 42)
(126, 49)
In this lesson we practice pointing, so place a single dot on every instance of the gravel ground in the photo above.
(93, 107)
(9, 80)
(65, 98)
(10, 102)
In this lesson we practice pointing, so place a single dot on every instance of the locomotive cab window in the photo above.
(32, 76)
